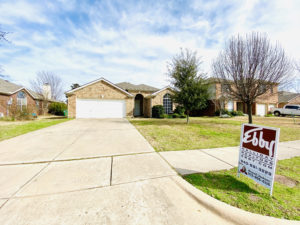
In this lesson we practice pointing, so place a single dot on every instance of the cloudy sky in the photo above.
(131, 40)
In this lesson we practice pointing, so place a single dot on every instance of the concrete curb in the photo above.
(230, 213)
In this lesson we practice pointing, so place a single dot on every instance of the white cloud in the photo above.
(133, 42)
(13, 11)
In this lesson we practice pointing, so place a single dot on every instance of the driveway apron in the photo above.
(92, 172)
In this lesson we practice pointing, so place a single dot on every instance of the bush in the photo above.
(240, 113)
(179, 110)
(57, 108)
(175, 115)
(223, 111)
(158, 111)
(234, 113)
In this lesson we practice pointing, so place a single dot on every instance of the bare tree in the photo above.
(47, 77)
(250, 66)
(295, 84)
(219, 104)
(3, 35)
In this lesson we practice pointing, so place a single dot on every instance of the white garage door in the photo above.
(260, 109)
(92, 108)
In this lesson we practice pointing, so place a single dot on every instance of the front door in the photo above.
(137, 107)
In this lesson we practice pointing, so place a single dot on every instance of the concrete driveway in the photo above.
(92, 172)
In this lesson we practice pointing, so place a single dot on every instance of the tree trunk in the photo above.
(249, 111)
(187, 117)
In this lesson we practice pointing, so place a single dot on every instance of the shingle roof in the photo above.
(9, 88)
(285, 96)
(133, 87)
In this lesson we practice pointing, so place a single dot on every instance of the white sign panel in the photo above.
(258, 153)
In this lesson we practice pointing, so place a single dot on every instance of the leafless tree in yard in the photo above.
(219, 104)
(250, 66)
(47, 77)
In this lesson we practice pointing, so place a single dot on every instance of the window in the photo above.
(291, 107)
(21, 99)
(37, 103)
(167, 103)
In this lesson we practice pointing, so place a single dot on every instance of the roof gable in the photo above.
(96, 81)
(9, 88)
(165, 88)
(284, 96)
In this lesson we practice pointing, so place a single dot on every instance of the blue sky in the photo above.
(131, 40)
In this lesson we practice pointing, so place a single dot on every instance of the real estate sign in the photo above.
(258, 153)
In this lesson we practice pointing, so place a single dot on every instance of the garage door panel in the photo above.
(92, 108)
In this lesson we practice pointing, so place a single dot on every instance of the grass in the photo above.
(207, 132)
(246, 194)
(15, 128)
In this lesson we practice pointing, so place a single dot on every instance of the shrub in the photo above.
(57, 108)
(168, 116)
(223, 111)
(240, 113)
(175, 115)
(158, 111)
(179, 110)
(233, 113)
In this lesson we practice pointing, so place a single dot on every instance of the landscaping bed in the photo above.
(9, 129)
(248, 195)
(207, 132)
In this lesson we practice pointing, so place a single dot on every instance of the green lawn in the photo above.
(246, 194)
(15, 128)
(207, 132)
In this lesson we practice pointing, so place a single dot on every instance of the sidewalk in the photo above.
(205, 160)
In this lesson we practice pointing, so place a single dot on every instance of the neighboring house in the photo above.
(261, 106)
(12, 94)
(103, 99)
(285, 97)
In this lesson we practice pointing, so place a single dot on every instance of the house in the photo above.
(104, 99)
(13, 95)
(260, 107)
(285, 97)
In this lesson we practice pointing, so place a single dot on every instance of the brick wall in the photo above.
(31, 103)
(99, 90)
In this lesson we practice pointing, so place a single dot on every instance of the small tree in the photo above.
(249, 67)
(52, 79)
(191, 89)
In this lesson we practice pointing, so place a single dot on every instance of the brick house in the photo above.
(285, 97)
(12, 94)
(261, 106)
(104, 99)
